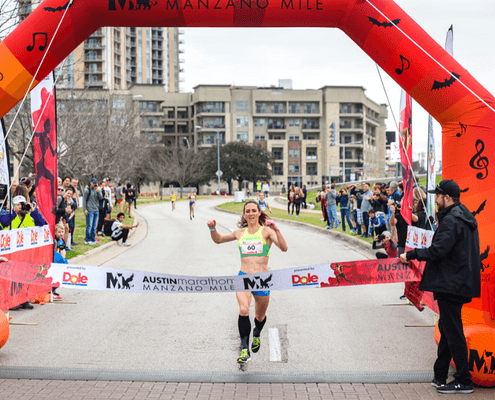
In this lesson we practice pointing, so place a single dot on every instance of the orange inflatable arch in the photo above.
(382, 29)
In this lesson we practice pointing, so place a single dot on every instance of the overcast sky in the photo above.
(314, 58)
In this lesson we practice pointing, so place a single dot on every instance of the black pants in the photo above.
(304, 205)
(122, 235)
(101, 220)
(298, 207)
(452, 343)
(288, 207)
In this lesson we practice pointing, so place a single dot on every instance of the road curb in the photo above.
(338, 235)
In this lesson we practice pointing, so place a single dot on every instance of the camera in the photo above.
(25, 207)
(3, 192)
(381, 238)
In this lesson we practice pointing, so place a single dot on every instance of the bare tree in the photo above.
(179, 164)
(9, 16)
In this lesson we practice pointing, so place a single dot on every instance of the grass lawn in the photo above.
(306, 217)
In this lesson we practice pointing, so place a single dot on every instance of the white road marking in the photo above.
(275, 351)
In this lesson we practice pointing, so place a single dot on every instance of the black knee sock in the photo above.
(244, 330)
(259, 327)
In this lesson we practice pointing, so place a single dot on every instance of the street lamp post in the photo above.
(218, 156)
(343, 163)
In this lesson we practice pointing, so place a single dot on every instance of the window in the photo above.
(219, 107)
(309, 137)
(348, 154)
(309, 108)
(143, 106)
(242, 105)
(259, 122)
(153, 106)
(275, 137)
(277, 108)
(346, 108)
(293, 138)
(118, 104)
(310, 123)
(259, 138)
(242, 136)
(311, 154)
(345, 123)
(209, 107)
(294, 153)
(277, 170)
(118, 120)
(294, 168)
(261, 108)
(275, 124)
(311, 169)
(294, 108)
(242, 121)
(278, 154)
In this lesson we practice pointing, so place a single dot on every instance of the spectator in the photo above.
(59, 249)
(419, 217)
(290, 201)
(384, 241)
(283, 190)
(393, 191)
(65, 212)
(258, 188)
(67, 184)
(353, 214)
(103, 208)
(119, 197)
(129, 198)
(29, 184)
(305, 195)
(359, 213)
(108, 196)
(366, 206)
(331, 198)
(266, 188)
(298, 196)
(119, 231)
(23, 215)
(377, 222)
(59, 181)
(343, 199)
(320, 197)
(398, 223)
(91, 197)
(72, 222)
(134, 199)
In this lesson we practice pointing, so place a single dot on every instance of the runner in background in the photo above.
(192, 202)
(263, 203)
(256, 235)
(173, 198)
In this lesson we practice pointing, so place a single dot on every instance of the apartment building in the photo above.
(116, 58)
(335, 133)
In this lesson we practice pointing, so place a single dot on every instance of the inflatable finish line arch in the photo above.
(381, 28)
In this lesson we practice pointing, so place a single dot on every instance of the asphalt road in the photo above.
(334, 329)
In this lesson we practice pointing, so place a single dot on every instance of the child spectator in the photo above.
(376, 222)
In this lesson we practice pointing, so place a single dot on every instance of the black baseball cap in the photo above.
(447, 187)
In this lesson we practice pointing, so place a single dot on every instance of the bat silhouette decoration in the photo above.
(484, 256)
(446, 83)
(385, 24)
(464, 190)
(480, 208)
(59, 8)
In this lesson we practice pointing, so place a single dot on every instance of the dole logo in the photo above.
(34, 237)
(5, 242)
(304, 280)
(46, 235)
(20, 239)
(74, 280)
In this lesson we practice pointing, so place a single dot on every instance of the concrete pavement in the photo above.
(110, 341)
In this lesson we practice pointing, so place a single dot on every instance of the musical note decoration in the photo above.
(463, 130)
(478, 162)
(400, 70)
(41, 47)
(1, 77)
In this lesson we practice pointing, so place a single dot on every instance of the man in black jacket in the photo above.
(452, 273)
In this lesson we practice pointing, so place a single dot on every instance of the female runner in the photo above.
(173, 198)
(192, 201)
(256, 235)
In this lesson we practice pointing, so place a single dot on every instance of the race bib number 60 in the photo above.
(252, 248)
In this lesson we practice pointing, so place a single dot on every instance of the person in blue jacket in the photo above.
(377, 222)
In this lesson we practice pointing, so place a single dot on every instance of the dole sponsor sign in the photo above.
(20, 238)
(34, 237)
(76, 279)
(5, 241)
(305, 280)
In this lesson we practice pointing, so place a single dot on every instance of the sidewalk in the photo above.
(92, 390)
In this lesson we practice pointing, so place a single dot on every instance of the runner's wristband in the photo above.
(213, 230)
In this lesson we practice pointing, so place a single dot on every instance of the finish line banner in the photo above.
(318, 276)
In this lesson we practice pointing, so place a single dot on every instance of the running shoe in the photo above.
(244, 356)
(57, 297)
(256, 344)
(455, 387)
(438, 382)
(125, 244)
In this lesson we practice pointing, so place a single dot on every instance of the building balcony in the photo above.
(310, 127)
(93, 71)
(87, 82)
(278, 128)
(210, 112)
(311, 158)
(213, 128)
(94, 58)
(347, 128)
(130, 33)
(92, 45)
(98, 33)
(372, 120)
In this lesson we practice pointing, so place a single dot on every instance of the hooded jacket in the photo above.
(453, 264)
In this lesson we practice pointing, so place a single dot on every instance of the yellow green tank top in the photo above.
(253, 245)
(173, 198)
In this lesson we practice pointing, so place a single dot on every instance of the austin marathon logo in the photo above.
(5, 242)
(34, 237)
(20, 239)
(119, 281)
(46, 234)
(257, 283)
